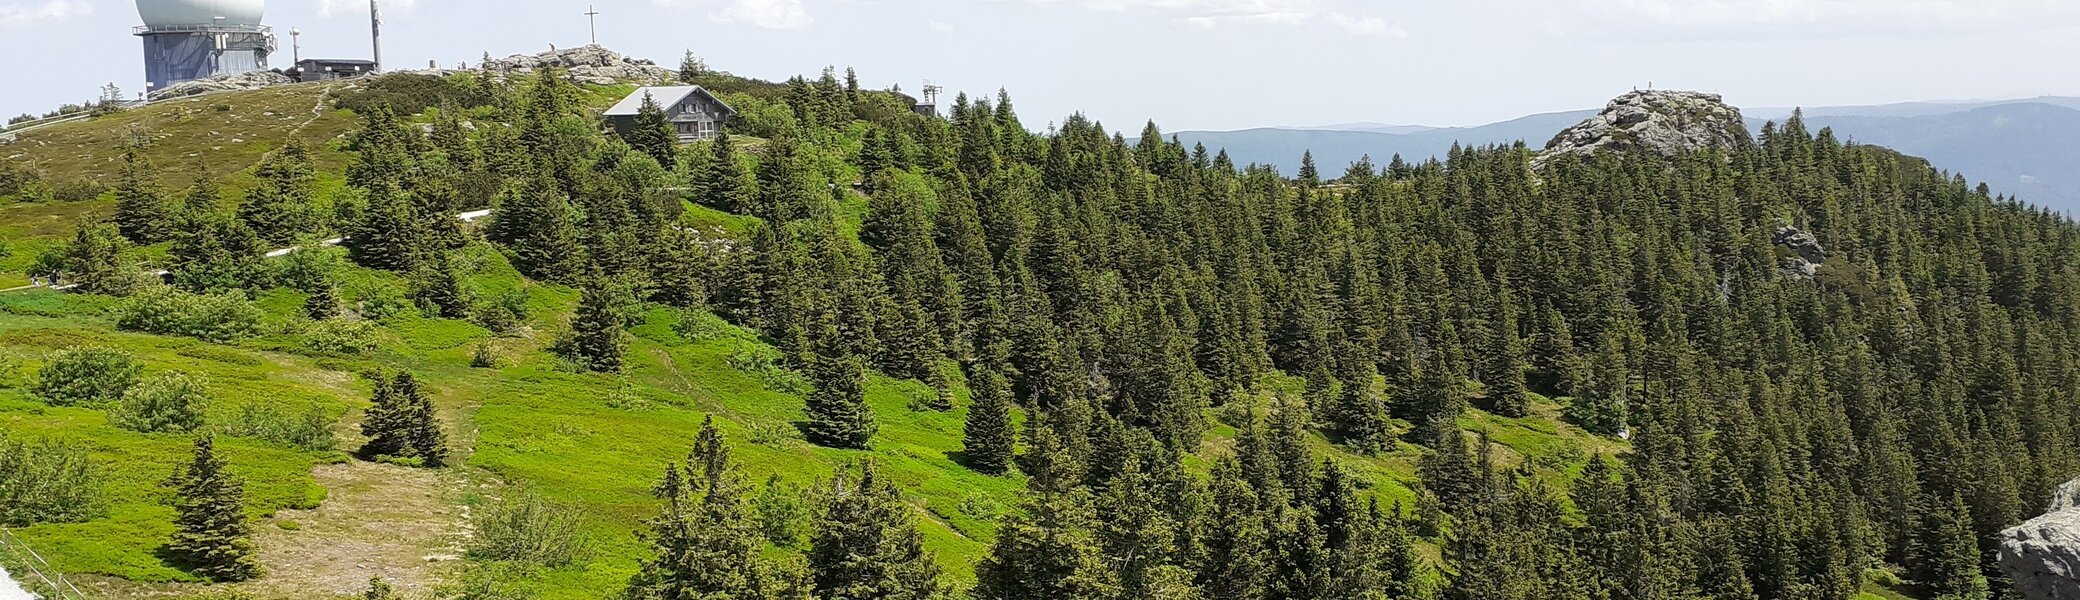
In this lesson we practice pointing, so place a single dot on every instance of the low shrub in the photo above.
(337, 336)
(307, 430)
(77, 190)
(47, 482)
(407, 94)
(701, 326)
(784, 512)
(766, 364)
(380, 303)
(484, 357)
(164, 310)
(524, 528)
(167, 402)
(22, 180)
(13, 365)
(77, 376)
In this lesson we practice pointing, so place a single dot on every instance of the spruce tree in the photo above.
(691, 67)
(438, 287)
(1051, 552)
(322, 303)
(98, 261)
(595, 341)
(1361, 414)
(384, 422)
(142, 212)
(540, 227)
(652, 133)
(391, 235)
(785, 192)
(212, 253)
(211, 535)
(722, 181)
(279, 207)
(838, 413)
(705, 540)
(378, 590)
(1945, 555)
(867, 546)
(422, 433)
(400, 422)
(989, 437)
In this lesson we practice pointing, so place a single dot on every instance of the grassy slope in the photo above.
(223, 135)
(574, 438)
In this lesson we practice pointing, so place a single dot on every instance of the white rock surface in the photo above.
(586, 64)
(223, 83)
(1664, 122)
(2042, 556)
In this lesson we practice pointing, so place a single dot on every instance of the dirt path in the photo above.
(405, 525)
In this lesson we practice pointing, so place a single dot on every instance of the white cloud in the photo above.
(941, 27)
(357, 8)
(1367, 25)
(17, 15)
(770, 14)
(1794, 17)
(1216, 13)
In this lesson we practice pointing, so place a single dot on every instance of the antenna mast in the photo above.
(375, 33)
(931, 92)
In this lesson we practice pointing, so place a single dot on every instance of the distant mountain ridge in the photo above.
(2026, 148)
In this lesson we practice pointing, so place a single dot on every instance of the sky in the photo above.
(1187, 64)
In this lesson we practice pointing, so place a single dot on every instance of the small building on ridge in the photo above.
(694, 113)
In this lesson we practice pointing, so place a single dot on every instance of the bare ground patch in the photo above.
(403, 524)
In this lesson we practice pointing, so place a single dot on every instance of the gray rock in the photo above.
(2067, 496)
(1664, 122)
(586, 64)
(223, 83)
(2042, 556)
(1806, 252)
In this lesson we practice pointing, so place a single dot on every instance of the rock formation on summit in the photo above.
(586, 64)
(1663, 122)
(222, 83)
(2042, 556)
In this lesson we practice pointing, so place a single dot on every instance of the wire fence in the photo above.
(38, 575)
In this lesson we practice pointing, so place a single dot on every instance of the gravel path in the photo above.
(9, 590)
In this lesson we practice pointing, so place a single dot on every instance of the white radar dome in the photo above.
(163, 13)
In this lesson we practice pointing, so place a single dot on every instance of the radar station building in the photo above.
(186, 40)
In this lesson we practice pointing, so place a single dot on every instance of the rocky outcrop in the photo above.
(586, 64)
(222, 83)
(1663, 122)
(2042, 556)
(1806, 252)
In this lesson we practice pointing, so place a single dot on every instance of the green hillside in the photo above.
(1156, 312)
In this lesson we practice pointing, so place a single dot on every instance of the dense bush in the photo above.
(784, 512)
(379, 302)
(310, 268)
(167, 402)
(23, 181)
(86, 376)
(337, 336)
(524, 528)
(77, 190)
(407, 94)
(212, 317)
(308, 430)
(47, 482)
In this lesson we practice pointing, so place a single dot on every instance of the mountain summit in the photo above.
(1665, 122)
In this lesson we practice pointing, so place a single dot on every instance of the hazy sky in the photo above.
(1189, 64)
